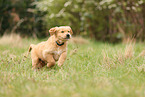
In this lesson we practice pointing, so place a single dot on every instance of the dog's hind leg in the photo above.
(41, 64)
(35, 62)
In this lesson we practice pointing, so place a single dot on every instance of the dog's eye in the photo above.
(62, 31)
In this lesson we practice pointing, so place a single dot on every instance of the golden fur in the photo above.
(49, 52)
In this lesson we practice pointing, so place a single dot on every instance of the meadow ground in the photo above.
(93, 69)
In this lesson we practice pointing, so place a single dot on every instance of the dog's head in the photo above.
(62, 33)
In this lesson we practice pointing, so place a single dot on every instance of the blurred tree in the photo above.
(18, 16)
(110, 20)
(101, 19)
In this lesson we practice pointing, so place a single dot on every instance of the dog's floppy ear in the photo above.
(53, 30)
(71, 32)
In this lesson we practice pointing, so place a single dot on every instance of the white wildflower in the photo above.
(140, 2)
(51, 16)
(127, 8)
(134, 8)
(67, 3)
(112, 6)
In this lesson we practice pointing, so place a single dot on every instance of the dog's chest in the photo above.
(58, 51)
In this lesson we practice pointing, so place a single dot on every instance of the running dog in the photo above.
(52, 50)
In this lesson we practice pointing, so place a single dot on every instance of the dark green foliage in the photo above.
(107, 20)
(19, 16)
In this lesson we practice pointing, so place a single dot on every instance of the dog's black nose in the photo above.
(67, 35)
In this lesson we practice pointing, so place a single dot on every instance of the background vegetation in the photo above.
(110, 20)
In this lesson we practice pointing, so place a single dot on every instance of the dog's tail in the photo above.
(31, 47)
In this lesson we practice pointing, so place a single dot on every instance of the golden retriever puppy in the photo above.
(52, 50)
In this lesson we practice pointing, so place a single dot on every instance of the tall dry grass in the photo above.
(129, 50)
(78, 40)
(12, 38)
(119, 56)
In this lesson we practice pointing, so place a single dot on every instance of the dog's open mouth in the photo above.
(67, 38)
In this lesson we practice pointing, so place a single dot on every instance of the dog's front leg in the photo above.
(50, 60)
(62, 58)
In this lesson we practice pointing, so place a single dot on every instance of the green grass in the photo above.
(91, 70)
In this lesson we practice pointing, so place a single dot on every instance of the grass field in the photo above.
(93, 69)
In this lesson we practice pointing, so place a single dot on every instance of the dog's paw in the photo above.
(34, 69)
(50, 65)
(59, 64)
